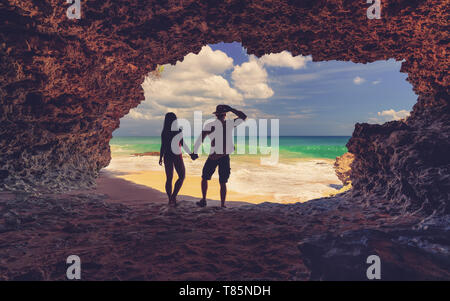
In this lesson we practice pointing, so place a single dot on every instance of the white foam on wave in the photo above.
(120, 150)
(134, 164)
(297, 181)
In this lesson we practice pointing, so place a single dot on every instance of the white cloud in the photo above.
(358, 80)
(394, 115)
(285, 59)
(204, 63)
(196, 83)
(376, 82)
(251, 79)
(389, 115)
(199, 83)
(135, 114)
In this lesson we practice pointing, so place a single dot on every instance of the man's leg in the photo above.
(224, 174)
(208, 169)
(204, 188)
(204, 185)
(223, 193)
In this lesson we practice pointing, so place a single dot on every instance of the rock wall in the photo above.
(342, 167)
(405, 162)
(64, 84)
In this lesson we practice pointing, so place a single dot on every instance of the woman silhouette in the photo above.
(172, 157)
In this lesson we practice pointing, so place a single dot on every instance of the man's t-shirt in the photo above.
(221, 136)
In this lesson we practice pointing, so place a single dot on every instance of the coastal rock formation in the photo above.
(406, 254)
(405, 162)
(342, 167)
(64, 84)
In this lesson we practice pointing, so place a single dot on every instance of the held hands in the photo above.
(194, 156)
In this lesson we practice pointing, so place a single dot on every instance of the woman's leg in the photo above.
(168, 165)
(181, 171)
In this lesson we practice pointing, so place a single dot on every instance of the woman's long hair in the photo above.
(168, 121)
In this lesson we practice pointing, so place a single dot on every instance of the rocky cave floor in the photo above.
(326, 239)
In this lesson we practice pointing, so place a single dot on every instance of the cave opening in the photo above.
(67, 83)
(316, 104)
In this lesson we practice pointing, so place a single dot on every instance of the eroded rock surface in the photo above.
(405, 254)
(342, 167)
(405, 162)
(328, 239)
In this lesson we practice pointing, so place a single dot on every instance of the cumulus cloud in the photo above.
(200, 82)
(376, 82)
(389, 115)
(196, 83)
(285, 59)
(251, 79)
(394, 115)
(358, 80)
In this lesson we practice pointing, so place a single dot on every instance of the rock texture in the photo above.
(64, 84)
(404, 254)
(343, 169)
(405, 162)
(142, 239)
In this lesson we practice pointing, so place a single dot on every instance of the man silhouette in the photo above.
(220, 132)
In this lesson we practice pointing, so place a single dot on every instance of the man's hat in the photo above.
(220, 109)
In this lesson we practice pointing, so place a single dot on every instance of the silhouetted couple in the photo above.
(220, 132)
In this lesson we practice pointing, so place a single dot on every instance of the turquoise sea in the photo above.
(319, 147)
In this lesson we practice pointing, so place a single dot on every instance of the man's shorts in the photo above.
(224, 168)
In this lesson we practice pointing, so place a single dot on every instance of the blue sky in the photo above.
(309, 98)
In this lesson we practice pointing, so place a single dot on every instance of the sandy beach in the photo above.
(121, 190)
(289, 181)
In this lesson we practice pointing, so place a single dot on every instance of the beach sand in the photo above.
(289, 181)
(191, 188)
(131, 189)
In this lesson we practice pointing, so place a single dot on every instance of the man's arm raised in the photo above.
(239, 114)
(241, 117)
